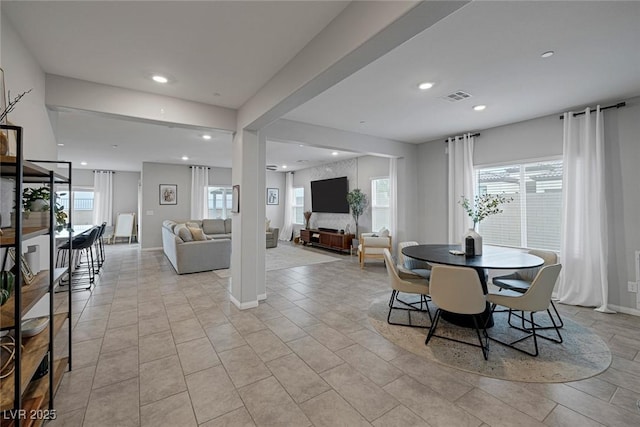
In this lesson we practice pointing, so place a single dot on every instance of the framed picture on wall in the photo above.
(235, 201)
(168, 194)
(273, 197)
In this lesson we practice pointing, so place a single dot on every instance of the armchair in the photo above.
(372, 245)
(272, 237)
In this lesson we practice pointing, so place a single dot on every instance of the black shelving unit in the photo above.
(20, 390)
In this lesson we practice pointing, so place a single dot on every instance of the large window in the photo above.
(219, 201)
(298, 205)
(379, 203)
(532, 219)
(82, 200)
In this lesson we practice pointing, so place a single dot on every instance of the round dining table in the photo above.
(493, 258)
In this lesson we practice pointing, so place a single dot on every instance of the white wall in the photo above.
(539, 138)
(359, 172)
(154, 174)
(220, 176)
(21, 73)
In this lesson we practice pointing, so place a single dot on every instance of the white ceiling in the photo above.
(489, 49)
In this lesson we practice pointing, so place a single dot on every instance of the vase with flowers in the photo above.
(307, 219)
(480, 208)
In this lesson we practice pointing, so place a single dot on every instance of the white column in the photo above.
(248, 280)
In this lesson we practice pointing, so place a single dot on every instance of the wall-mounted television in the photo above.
(330, 195)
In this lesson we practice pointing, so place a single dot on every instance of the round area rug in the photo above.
(583, 354)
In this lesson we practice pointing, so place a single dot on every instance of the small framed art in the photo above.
(168, 194)
(273, 197)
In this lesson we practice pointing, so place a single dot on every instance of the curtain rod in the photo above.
(191, 167)
(618, 105)
(458, 136)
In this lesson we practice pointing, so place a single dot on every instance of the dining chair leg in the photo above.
(483, 346)
(433, 327)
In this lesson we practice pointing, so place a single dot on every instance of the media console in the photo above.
(327, 239)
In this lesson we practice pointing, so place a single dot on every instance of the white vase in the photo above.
(477, 241)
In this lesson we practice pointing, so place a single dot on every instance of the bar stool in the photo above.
(81, 245)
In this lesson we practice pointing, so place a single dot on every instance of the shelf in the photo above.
(31, 172)
(8, 237)
(31, 404)
(35, 348)
(31, 294)
(39, 389)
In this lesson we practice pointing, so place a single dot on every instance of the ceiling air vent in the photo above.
(272, 167)
(457, 96)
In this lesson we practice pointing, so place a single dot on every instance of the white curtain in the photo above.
(287, 227)
(103, 197)
(199, 186)
(584, 245)
(460, 183)
(393, 197)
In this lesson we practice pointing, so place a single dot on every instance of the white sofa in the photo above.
(191, 256)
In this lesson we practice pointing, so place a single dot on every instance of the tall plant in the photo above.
(357, 201)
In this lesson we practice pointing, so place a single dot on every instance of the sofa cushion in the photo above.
(194, 224)
(197, 233)
(227, 225)
(219, 236)
(213, 226)
(169, 224)
(183, 232)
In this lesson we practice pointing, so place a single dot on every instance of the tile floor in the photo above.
(152, 348)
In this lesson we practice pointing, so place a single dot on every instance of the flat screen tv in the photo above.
(330, 195)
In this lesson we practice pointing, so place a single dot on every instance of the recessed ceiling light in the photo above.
(425, 85)
(284, 166)
(60, 145)
(114, 146)
(547, 54)
(479, 107)
(185, 158)
(335, 153)
(207, 137)
(301, 145)
(362, 122)
(83, 163)
(159, 79)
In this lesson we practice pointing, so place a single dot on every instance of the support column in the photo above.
(248, 279)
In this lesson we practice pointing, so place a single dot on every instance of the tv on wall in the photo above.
(330, 195)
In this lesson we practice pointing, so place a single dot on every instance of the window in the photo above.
(532, 219)
(379, 203)
(82, 205)
(219, 201)
(298, 205)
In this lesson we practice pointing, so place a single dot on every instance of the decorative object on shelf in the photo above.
(273, 196)
(36, 199)
(235, 199)
(7, 355)
(27, 275)
(482, 207)
(357, 203)
(12, 104)
(307, 219)
(7, 136)
(168, 194)
(7, 280)
(34, 326)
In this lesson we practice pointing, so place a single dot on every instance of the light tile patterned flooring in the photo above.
(153, 348)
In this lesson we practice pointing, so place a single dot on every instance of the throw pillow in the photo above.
(383, 232)
(193, 225)
(197, 233)
(183, 232)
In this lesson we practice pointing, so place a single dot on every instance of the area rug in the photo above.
(289, 256)
(583, 354)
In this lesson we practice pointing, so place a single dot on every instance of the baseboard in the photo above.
(625, 310)
(159, 248)
(262, 297)
(244, 305)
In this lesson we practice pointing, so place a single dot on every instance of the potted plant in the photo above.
(481, 207)
(36, 200)
(357, 201)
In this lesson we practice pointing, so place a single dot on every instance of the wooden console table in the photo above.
(327, 239)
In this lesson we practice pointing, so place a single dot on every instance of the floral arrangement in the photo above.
(307, 218)
(12, 105)
(484, 206)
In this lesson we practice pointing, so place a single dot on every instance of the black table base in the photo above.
(466, 320)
